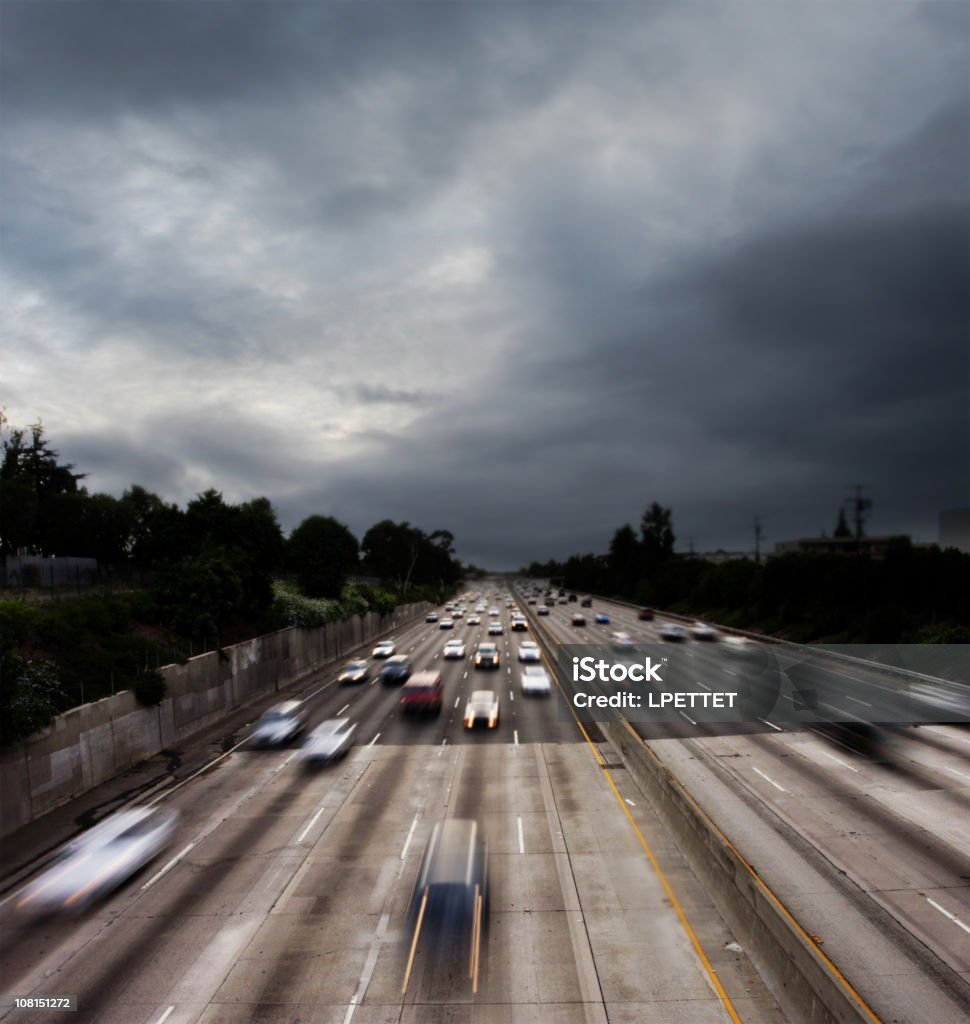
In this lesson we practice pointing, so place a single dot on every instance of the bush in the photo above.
(150, 688)
(30, 696)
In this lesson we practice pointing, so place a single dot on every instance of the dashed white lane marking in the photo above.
(962, 775)
(313, 822)
(946, 913)
(521, 836)
(689, 719)
(164, 1017)
(457, 701)
(838, 760)
(342, 710)
(374, 740)
(772, 724)
(515, 736)
(629, 801)
(772, 781)
(407, 842)
(511, 694)
(855, 700)
(168, 867)
(369, 964)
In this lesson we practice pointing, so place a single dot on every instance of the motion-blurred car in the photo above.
(535, 680)
(384, 649)
(482, 707)
(459, 613)
(448, 623)
(487, 656)
(474, 620)
(541, 609)
(673, 633)
(645, 615)
(602, 618)
(519, 625)
(529, 651)
(431, 617)
(454, 649)
(577, 620)
(495, 629)
(586, 602)
(280, 724)
(702, 631)
(328, 741)
(354, 672)
(493, 612)
(97, 862)
(422, 694)
(396, 669)
(622, 641)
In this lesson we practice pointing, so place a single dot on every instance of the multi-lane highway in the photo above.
(284, 896)
(869, 848)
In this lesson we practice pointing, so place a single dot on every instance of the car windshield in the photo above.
(398, 659)
(354, 666)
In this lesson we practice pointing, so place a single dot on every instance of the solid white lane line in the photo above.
(772, 781)
(374, 740)
(839, 761)
(342, 710)
(521, 836)
(407, 842)
(313, 822)
(369, 965)
(946, 913)
(164, 1017)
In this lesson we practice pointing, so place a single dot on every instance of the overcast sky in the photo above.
(513, 270)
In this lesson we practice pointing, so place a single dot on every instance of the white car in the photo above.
(482, 706)
(98, 861)
(541, 609)
(454, 649)
(280, 724)
(495, 629)
(384, 649)
(330, 740)
(529, 651)
(672, 632)
(702, 631)
(535, 680)
(446, 624)
(622, 641)
(493, 612)
(431, 617)
(474, 620)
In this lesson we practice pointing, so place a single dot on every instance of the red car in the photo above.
(422, 694)
(645, 615)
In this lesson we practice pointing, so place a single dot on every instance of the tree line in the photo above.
(212, 572)
(912, 594)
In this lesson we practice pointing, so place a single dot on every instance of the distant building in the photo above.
(719, 556)
(955, 529)
(874, 547)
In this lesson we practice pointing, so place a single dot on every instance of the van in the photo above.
(422, 694)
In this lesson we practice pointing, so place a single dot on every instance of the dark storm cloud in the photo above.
(515, 271)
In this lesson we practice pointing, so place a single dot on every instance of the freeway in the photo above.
(869, 848)
(284, 895)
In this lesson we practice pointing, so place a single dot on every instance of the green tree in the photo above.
(657, 537)
(322, 552)
(842, 526)
(623, 560)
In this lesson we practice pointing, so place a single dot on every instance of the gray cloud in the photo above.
(515, 271)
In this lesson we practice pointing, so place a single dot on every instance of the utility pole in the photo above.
(860, 507)
(758, 538)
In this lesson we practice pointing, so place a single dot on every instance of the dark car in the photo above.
(487, 656)
(422, 694)
(645, 615)
(572, 598)
(354, 672)
(578, 620)
(587, 602)
(397, 669)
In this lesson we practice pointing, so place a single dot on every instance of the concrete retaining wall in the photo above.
(806, 989)
(95, 742)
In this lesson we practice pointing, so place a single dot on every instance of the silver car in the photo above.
(529, 651)
(282, 723)
(95, 864)
(535, 680)
(328, 741)
(482, 706)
